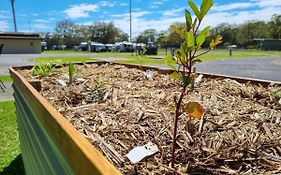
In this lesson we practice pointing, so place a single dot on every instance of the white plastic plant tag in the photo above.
(148, 74)
(140, 152)
(198, 79)
(279, 101)
(62, 83)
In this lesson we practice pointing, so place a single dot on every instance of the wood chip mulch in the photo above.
(117, 109)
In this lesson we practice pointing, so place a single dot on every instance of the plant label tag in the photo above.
(279, 101)
(198, 79)
(140, 152)
(148, 74)
(62, 83)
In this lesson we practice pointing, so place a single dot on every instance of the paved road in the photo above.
(258, 68)
(7, 60)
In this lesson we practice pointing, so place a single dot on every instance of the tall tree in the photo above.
(227, 32)
(147, 35)
(251, 30)
(104, 32)
(275, 26)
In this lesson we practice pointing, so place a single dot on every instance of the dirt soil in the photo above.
(117, 109)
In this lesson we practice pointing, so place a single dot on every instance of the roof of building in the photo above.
(19, 35)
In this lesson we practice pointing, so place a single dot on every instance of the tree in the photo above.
(104, 32)
(275, 27)
(248, 31)
(227, 32)
(64, 32)
(147, 35)
(121, 36)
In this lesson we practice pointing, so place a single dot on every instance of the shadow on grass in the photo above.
(15, 167)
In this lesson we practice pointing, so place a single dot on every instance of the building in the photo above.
(20, 43)
(268, 44)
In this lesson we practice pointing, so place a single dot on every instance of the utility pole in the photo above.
(130, 20)
(13, 9)
(131, 27)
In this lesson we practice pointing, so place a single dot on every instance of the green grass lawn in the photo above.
(222, 54)
(62, 52)
(5, 78)
(62, 59)
(10, 156)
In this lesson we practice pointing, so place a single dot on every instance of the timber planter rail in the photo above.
(50, 144)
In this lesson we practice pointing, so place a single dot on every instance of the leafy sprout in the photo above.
(71, 70)
(42, 69)
(186, 56)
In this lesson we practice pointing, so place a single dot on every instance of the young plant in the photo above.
(71, 72)
(142, 55)
(42, 69)
(186, 56)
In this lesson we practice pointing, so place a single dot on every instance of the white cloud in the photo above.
(233, 6)
(4, 26)
(124, 4)
(267, 3)
(42, 21)
(40, 26)
(81, 10)
(173, 12)
(233, 13)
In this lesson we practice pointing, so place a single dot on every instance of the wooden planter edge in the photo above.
(83, 157)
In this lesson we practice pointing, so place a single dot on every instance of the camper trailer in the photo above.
(94, 47)
(123, 47)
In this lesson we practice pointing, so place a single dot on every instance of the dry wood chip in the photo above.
(241, 132)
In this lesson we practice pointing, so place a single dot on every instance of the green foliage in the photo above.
(275, 26)
(42, 69)
(186, 57)
(6, 78)
(10, 159)
(142, 55)
(71, 70)
(100, 84)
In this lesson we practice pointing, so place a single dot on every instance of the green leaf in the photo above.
(190, 39)
(216, 41)
(200, 39)
(71, 72)
(170, 62)
(188, 20)
(196, 61)
(194, 23)
(174, 75)
(205, 7)
(195, 9)
(186, 81)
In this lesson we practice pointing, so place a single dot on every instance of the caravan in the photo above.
(123, 47)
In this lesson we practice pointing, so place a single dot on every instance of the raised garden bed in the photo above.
(118, 108)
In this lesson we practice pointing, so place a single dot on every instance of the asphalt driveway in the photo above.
(258, 68)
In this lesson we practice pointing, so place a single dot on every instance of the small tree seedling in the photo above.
(186, 56)
(71, 72)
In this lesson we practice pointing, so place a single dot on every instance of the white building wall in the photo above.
(21, 46)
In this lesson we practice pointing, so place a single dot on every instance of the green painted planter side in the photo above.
(40, 153)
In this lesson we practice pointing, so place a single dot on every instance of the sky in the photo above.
(42, 16)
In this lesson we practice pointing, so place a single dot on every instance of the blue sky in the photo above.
(157, 14)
